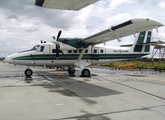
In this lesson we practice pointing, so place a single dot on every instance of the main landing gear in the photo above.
(71, 70)
(84, 73)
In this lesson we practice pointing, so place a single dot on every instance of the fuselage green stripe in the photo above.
(75, 56)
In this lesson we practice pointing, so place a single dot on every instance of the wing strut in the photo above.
(79, 63)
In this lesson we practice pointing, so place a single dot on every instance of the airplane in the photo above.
(82, 52)
(64, 4)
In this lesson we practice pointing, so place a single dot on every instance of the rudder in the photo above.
(141, 43)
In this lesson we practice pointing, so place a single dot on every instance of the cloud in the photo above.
(162, 4)
(23, 24)
(32, 29)
(26, 9)
(115, 3)
(11, 17)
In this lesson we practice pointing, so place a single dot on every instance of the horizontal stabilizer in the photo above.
(153, 43)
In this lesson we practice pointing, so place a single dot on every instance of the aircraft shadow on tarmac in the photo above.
(65, 85)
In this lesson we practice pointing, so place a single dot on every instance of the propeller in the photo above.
(57, 44)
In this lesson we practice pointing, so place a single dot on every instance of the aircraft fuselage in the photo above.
(44, 55)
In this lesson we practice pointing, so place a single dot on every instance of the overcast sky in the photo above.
(23, 25)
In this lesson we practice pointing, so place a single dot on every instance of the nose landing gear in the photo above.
(28, 73)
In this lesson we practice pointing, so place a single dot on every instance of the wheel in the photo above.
(71, 71)
(85, 73)
(28, 72)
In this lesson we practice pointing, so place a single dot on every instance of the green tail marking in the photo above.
(141, 40)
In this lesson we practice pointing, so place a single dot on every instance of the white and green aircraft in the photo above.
(81, 52)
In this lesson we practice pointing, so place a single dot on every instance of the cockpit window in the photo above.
(35, 47)
(41, 48)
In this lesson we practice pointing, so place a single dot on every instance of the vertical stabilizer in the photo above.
(142, 42)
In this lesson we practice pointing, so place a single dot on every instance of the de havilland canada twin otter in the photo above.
(81, 52)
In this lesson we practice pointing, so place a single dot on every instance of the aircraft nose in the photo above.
(7, 59)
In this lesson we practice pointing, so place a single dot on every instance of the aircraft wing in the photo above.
(64, 4)
(132, 26)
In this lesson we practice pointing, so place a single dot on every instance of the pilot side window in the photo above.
(41, 48)
(95, 51)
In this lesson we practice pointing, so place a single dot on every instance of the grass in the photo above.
(140, 64)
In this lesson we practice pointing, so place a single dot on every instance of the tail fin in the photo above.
(141, 44)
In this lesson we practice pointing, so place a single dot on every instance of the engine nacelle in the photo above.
(64, 46)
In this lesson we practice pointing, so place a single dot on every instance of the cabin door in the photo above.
(94, 54)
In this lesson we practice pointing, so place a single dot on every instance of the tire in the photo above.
(85, 73)
(71, 71)
(28, 72)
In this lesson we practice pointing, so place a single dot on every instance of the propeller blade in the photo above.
(59, 34)
(57, 51)
(53, 37)
(57, 46)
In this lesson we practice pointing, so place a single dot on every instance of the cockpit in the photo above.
(35, 47)
(39, 48)
(32, 49)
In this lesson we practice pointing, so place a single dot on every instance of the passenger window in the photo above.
(80, 50)
(95, 51)
(53, 50)
(69, 51)
(41, 48)
(101, 51)
(75, 51)
(86, 51)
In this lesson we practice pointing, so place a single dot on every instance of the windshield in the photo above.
(35, 47)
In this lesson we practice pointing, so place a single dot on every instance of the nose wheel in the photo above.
(28, 73)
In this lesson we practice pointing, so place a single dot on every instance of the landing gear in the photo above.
(28, 73)
(71, 71)
(85, 73)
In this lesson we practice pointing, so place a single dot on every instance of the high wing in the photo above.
(132, 26)
(64, 4)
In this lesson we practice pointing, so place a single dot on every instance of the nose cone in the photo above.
(7, 59)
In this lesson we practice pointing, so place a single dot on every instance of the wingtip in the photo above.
(148, 20)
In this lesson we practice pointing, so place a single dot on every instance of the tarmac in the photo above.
(106, 95)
